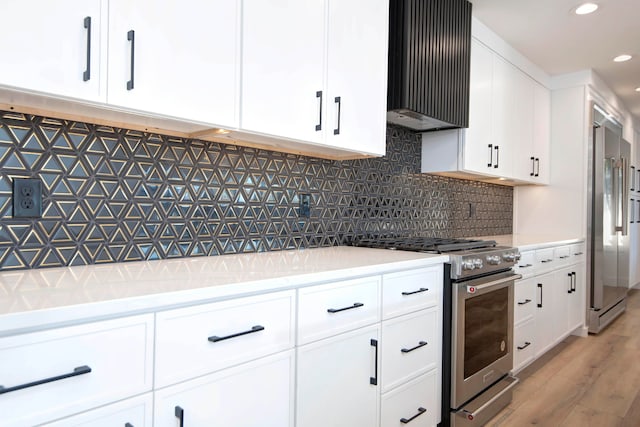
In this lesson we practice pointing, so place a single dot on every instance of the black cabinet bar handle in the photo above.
(80, 370)
(409, 350)
(540, 287)
(533, 166)
(527, 301)
(490, 156)
(563, 256)
(632, 215)
(633, 172)
(421, 411)
(497, 157)
(525, 266)
(416, 292)
(638, 210)
(573, 281)
(86, 75)
(526, 344)
(337, 310)
(547, 260)
(638, 186)
(253, 329)
(570, 282)
(374, 380)
(131, 36)
(128, 425)
(537, 167)
(578, 253)
(336, 131)
(179, 413)
(319, 125)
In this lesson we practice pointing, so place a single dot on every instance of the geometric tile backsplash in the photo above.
(112, 195)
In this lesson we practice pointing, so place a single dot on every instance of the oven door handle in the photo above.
(494, 283)
(472, 415)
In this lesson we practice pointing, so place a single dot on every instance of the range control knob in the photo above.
(493, 259)
(478, 263)
(511, 257)
(468, 265)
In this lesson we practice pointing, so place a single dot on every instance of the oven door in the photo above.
(482, 334)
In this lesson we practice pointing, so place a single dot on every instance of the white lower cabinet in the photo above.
(259, 393)
(53, 374)
(412, 403)
(134, 412)
(338, 380)
(549, 302)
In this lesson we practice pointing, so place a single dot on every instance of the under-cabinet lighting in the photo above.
(220, 131)
(638, 89)
(586, 8)
(622, 58)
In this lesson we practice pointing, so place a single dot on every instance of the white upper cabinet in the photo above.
(177, 59)
(315, 72)
(282, 68)
(54, 47)
(478, 151)
(357, 75)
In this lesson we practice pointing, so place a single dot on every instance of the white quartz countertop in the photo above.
(526, 242)
(57, 296)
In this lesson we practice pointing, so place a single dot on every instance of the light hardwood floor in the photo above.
(582, 382)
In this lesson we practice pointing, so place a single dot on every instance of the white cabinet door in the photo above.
(508, 114)
(541, 133)
(357, 75)
(283, 48)
(478, 143)
(55, 47)
(134, 412)
(416, 403)
(545, 320)
(337, 380)
(259, 393)
(577, 298)
(177, 59)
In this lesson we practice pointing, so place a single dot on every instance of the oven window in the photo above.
(486, 330)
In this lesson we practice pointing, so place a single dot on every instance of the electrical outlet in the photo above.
(305, 205)
(27, 198)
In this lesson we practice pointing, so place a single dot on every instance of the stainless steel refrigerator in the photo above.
(608, 239)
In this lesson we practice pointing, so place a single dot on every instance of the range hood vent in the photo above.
(429, 60)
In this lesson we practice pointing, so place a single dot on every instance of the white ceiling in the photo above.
(559, 41)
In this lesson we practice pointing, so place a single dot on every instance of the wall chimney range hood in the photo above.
(429, 59)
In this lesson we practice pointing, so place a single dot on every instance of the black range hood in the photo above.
(429, 60)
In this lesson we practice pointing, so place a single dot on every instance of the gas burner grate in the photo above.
(423, 244)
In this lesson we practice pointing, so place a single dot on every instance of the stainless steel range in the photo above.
(477, 324)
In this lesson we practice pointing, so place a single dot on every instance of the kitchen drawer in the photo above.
(134, 412)
(330, 309)
(410, 345)
(578, 252)
(197, 340)
(525, 300)
(523, 344)
(545, 260)
(417, 398)
(562, 255)
(408, 291)
(526, 265)
(90, 365)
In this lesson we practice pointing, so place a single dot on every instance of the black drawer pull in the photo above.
(526, 344)
(546, 260)
(128, 425)
(578, 253)
(253, 329)
(179, 413)
(564, 256)
(409, 350)
(80, 370)
(527, 301)
(421, 411)
(416, 292)
(337, 310)
(525, 266)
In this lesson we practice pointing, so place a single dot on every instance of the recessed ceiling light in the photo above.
(638, 89)
(586, 8)
(622, 58)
